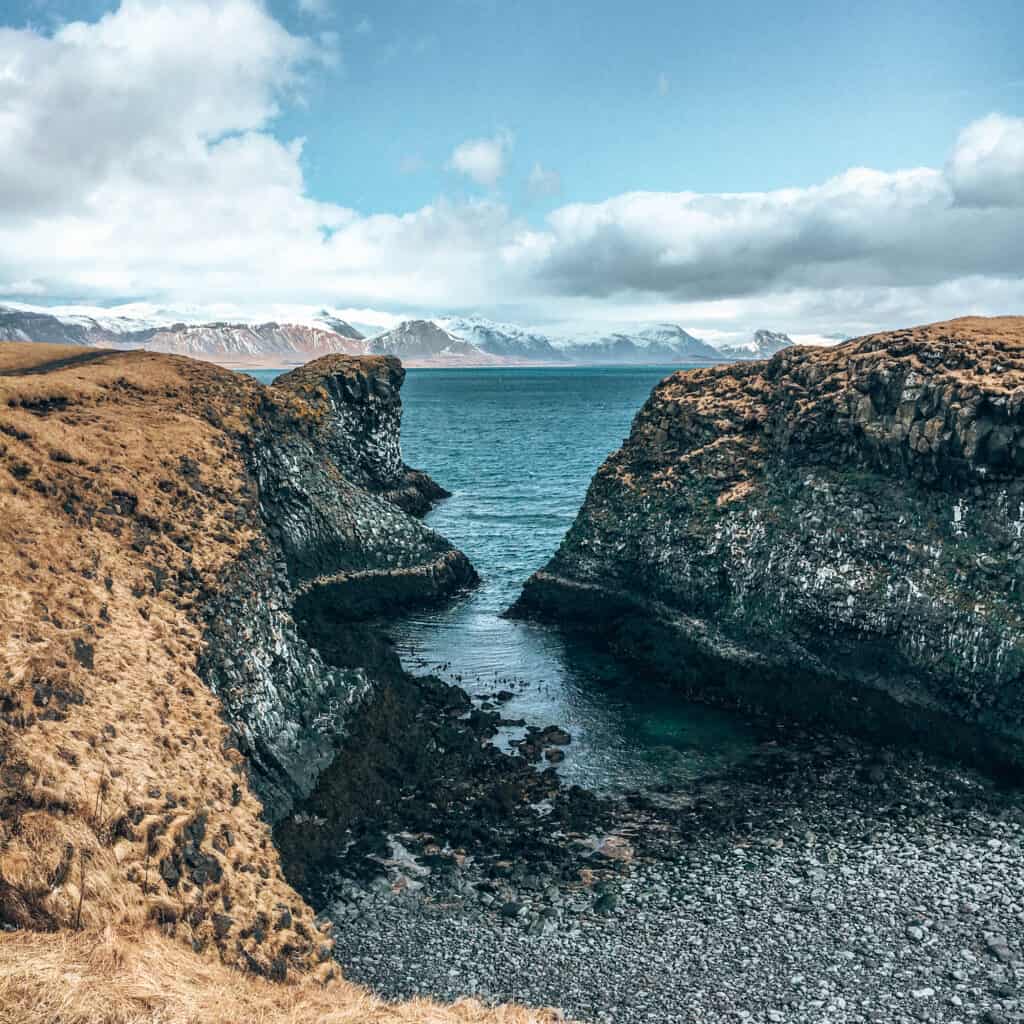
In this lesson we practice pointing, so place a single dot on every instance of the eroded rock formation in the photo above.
(331, 488)
(160, 519)
(834, 533)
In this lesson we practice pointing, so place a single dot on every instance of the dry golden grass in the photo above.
(123, 497)
(110, 978)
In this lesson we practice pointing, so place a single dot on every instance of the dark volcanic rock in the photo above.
(359, 425)
(20, 325)
(834, 533)
(332, 540)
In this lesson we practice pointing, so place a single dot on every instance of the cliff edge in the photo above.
(833, 533)
(160, 520)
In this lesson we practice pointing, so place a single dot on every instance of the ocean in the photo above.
(518, 447)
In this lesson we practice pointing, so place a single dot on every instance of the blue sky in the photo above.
(579, 104)
(753, 102)
(757, 97)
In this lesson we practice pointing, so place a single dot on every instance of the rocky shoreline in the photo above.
(825, 882)
(833, 534)
(824, 879)
(209, 738)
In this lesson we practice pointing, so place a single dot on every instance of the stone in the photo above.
(810, 511)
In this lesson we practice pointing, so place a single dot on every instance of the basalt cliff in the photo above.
(166, 527)
(833, 534)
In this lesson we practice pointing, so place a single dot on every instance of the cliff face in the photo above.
(160, 519)
(330, 496)
(832, 533)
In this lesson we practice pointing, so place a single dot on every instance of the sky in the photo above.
(819, 168)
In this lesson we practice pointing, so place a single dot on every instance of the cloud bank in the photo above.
(141, 161)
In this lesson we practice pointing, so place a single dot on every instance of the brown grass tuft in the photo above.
(123, 497)
(108, 976)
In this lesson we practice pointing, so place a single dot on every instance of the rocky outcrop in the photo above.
(361, 426)
(332, 492)
(165, 527)
(834, 533)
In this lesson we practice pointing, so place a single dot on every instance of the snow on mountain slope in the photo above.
(18, 324)
(654, 343)
(149, 327)
(763, 345)
(419, 340)
(295, 334)
(223, 339)
(499, 339)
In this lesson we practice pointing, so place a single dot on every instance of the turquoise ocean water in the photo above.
(517, 447)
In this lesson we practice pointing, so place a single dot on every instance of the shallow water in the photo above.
(518, 448)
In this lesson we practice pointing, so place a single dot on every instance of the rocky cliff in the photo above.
(333, 499)
(160, 521)
(834, 533)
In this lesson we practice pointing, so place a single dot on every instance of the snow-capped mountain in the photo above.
(225, 339)
(220, 339)
(655, 343)
(99, 321)
(763, 345)
(506, 340)
(333, 323)
(295, 334)
(417, 340)
(671, 339)
(26, 325)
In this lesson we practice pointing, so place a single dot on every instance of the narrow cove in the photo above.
(518, 448)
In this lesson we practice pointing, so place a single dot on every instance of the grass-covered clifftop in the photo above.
(158, 518)
(834, 533)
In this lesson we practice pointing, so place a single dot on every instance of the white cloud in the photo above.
(482, 160)
(142, 94)
(364, 26)
(863, 228)
(987, 164)
(140, 160)
(21, 288)
(544, 182)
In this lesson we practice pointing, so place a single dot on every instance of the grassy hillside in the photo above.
(137, 878)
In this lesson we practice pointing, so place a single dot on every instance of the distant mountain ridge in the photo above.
(763, 345)
(247, 340)
(450, 341)
(425, 340)
(506, 340)
(655, 344)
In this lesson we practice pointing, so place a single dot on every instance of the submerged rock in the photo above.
(834, 534)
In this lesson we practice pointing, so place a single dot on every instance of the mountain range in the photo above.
(763, 345)
(445, 341)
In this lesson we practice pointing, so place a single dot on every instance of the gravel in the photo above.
(833, 887)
